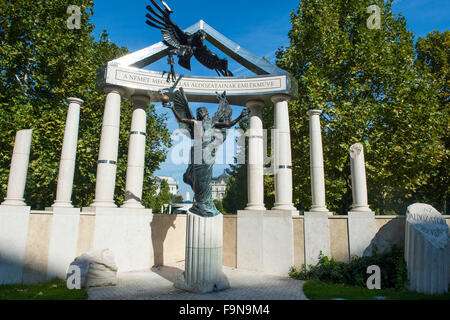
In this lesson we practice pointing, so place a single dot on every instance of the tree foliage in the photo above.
(42, 62)
(433, 56)
(163, 197)
(371, 91)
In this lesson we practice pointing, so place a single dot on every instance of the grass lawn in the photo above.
(52, 290)
(316, 290)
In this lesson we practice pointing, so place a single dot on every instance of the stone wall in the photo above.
(168, 236)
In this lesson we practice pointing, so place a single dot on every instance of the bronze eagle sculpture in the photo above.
(182, 44)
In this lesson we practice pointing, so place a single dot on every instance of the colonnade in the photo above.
(108, 152)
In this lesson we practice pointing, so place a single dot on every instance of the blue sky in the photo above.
(260, 26)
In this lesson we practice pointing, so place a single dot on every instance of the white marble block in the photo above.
(361, 231)
(63, 241)
(265, 241)
(13, 240)
(97, 268)
(203, 265)
(427, 249)
(127, 233)
(317, 236)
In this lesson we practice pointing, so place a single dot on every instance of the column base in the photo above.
(103, 204)
(14, 202)
(61, 204)
(132, 204)
(254, 206)
(284, 206)
(360, 209)
(320, 209)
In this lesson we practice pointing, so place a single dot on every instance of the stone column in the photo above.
(136, 153)
(282, 154)
(109, 145)
(19, 167)
(358, 172)
(255, 174)
(317, 170)
(68, 155)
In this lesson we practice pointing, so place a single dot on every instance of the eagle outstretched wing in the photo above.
(210, 60)
(181, 105)
(173, 36)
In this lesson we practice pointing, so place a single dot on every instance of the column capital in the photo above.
(280, 98)
(356, 149)
(253, 104)
(140, 99)
(114, 89)
(314, 112)
(75, 100)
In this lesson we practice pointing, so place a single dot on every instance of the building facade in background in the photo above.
(173, 184)
(219, 185)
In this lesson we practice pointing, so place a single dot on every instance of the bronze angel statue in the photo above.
(182, 44)
(208, 135)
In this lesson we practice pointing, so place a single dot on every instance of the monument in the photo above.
(203, 264)
(264, 238)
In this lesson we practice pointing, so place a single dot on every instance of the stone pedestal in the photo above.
(255, 168)
(265, 241)
(317, 169)
(109, 145)
(68, 155)
(136, 154)
(282, 155)
(361, 231)
(13, 241)
(63, 241)
(317, 236)
(19, 167)
(427, 250)
(126, 232)
(203, 265)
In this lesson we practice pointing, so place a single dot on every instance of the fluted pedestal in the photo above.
(427, 250)
(203, 266)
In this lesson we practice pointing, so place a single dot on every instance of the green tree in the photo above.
(371, 92)
(433, 55)
(163, 196)
(42, 62)
(176, 198)
(219, 206)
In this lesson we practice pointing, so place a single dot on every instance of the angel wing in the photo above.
(224, 112)
(173, 36)
(210, 60)
(181, 105)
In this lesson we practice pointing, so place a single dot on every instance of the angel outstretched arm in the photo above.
(227, 125)
(177, 115)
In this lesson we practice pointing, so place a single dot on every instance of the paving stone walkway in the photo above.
(157, 284)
